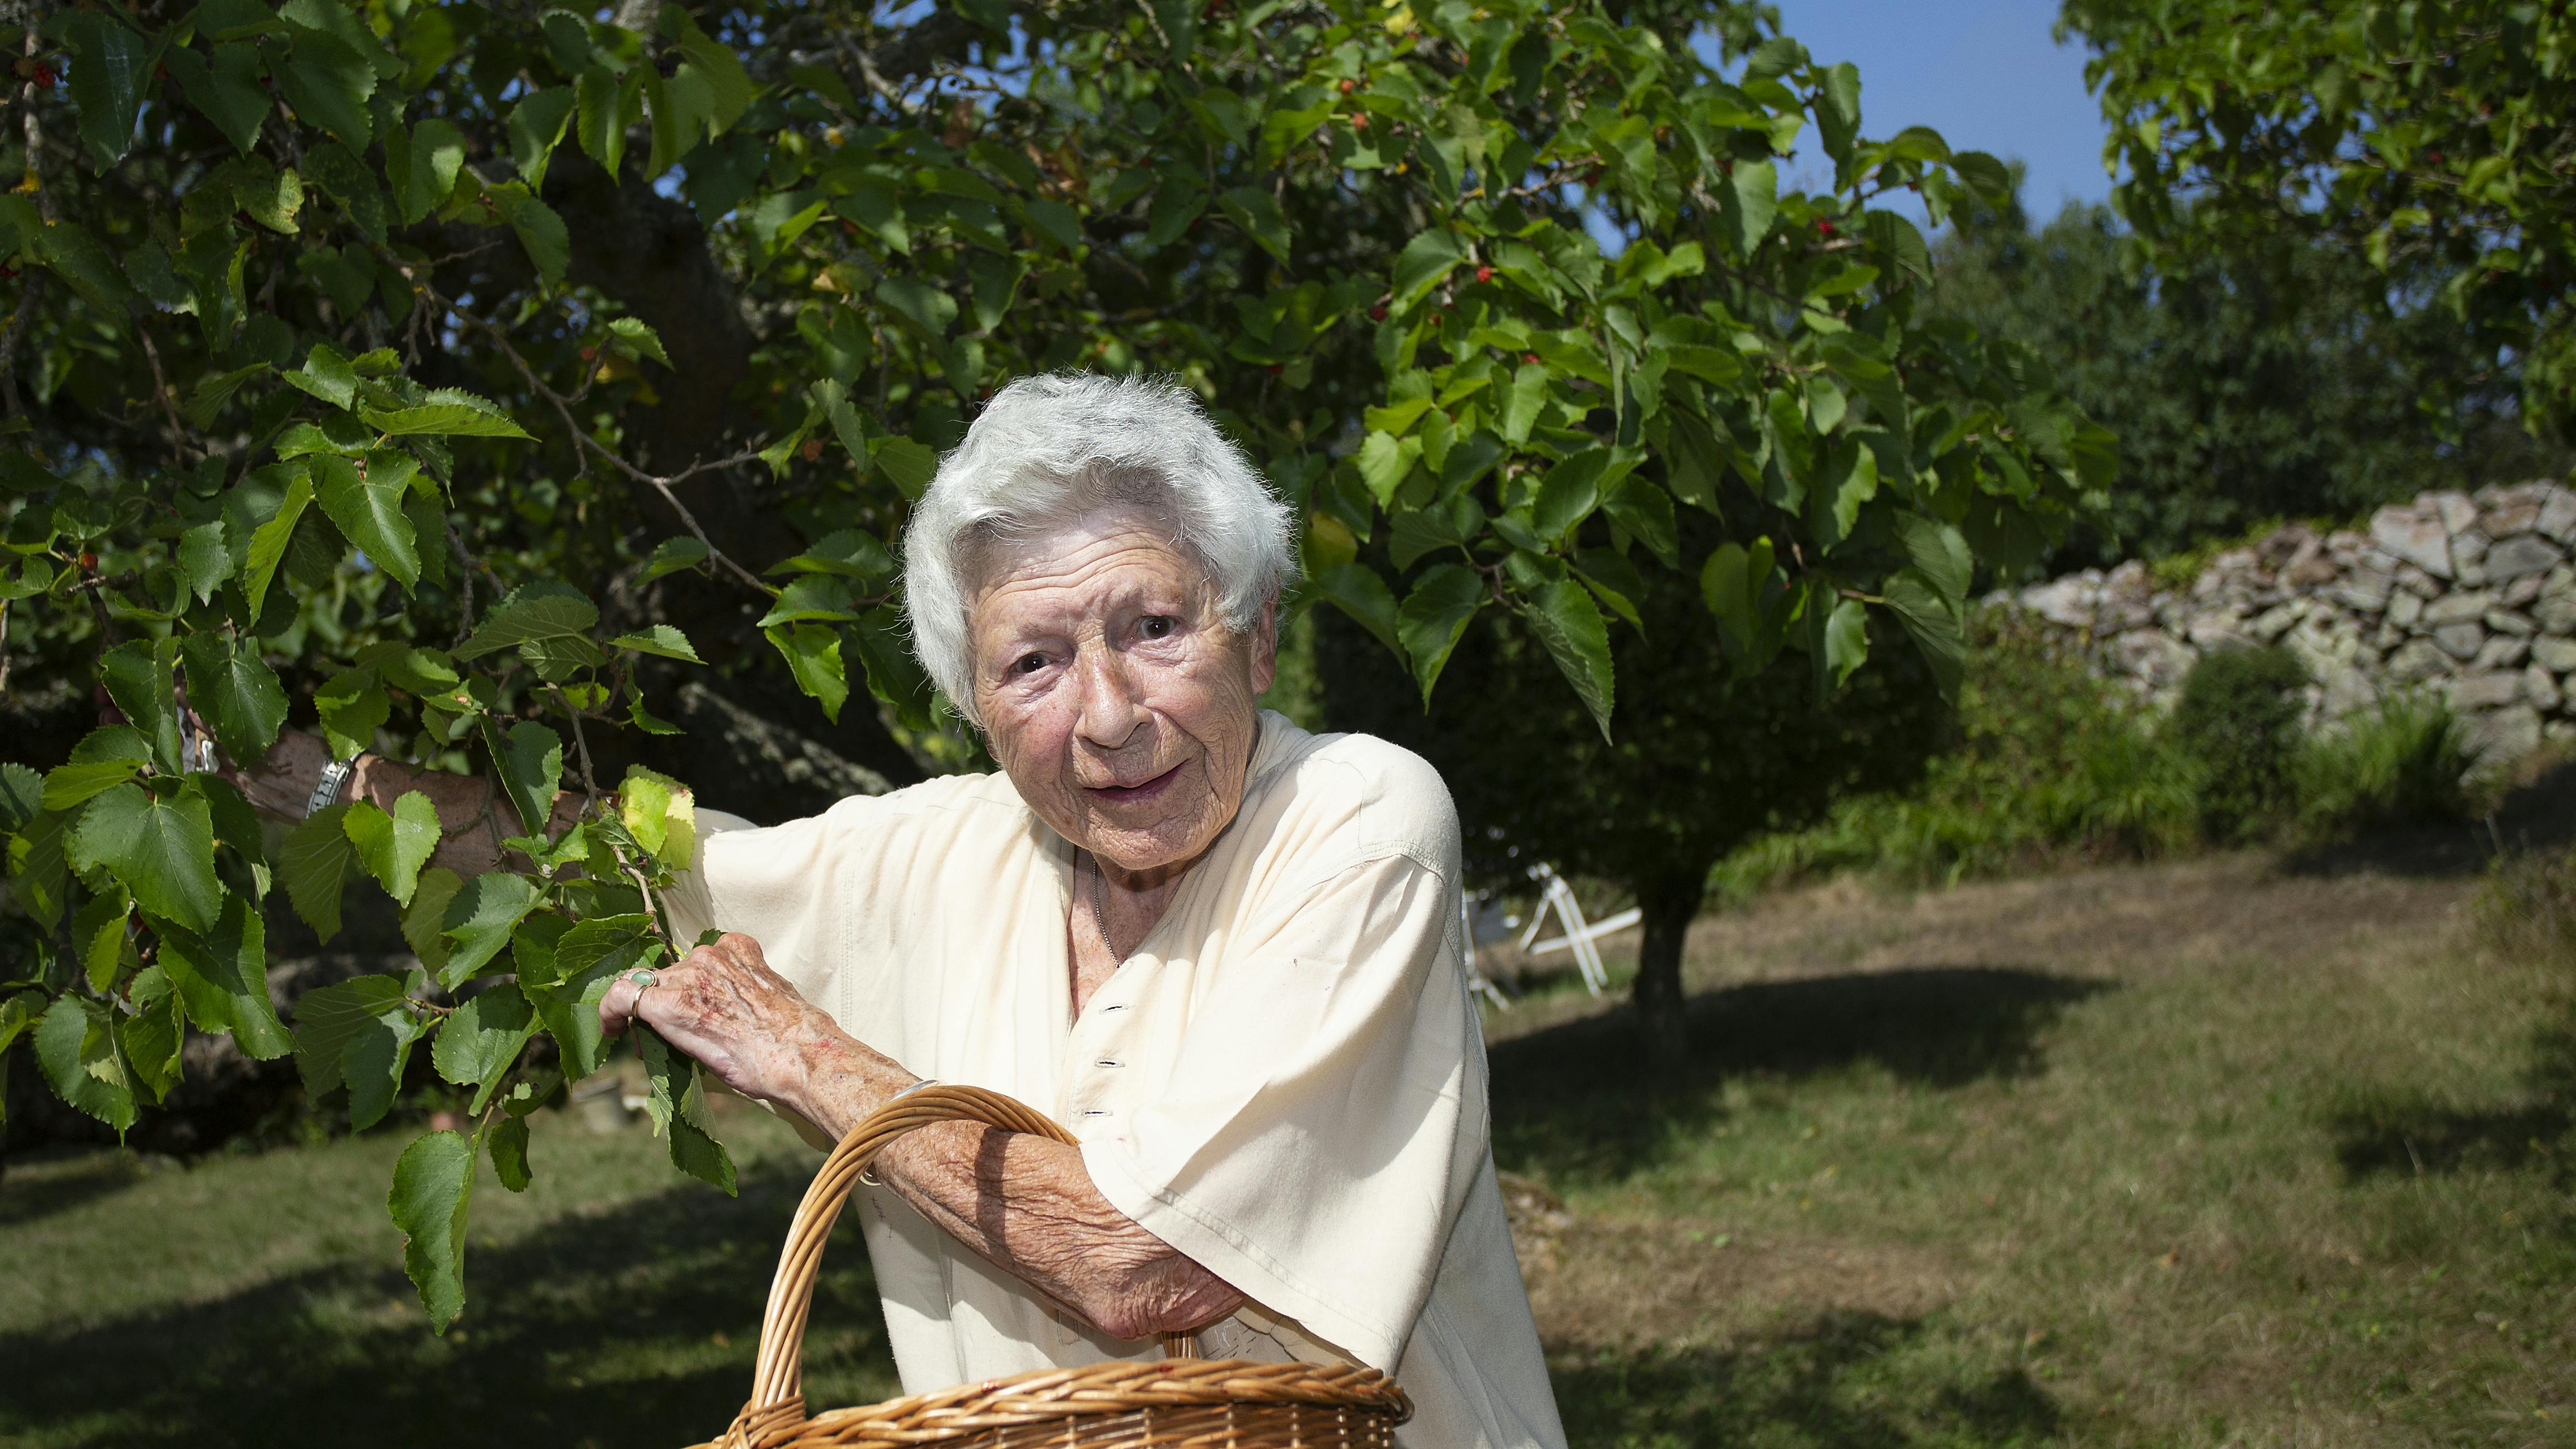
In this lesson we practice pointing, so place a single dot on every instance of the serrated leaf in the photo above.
(482, 1037)
(570, 1009)
(1932, 621)
(660, 639)
(433, 1183)
(1425, 260)
(677, 1104)
(68, 785)
(446, 412)
(813, 655)
(139, 677)
(1568, 494)
(313, 863)
(232, 688)
(365, 498)
(76, 1049)
(528, 618)
(508, 1143)
(268, 542)
(673, 555)
(1356, 590)
(1746, 203)
(222, 979)
(541, 232)
(813, 597)
(394, 846)
(537, 125)
(203, 560)
(1565, 619)
(1435, 617)
(661, 813)
(22, 795)
(424, 921)
(161, 847)
(480, 919)
(1257, 213)
(1841, 641)
(530, 762)
(150, 1041)
(39, 876)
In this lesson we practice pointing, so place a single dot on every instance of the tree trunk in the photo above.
(1668, 909)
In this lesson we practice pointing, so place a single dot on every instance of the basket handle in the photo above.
(778, 1380)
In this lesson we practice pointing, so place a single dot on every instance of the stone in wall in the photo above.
(2470, 596)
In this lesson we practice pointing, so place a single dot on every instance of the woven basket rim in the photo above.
(1121, 1386)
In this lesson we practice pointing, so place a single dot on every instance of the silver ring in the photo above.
(645, 979)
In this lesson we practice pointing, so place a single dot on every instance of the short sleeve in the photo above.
(1325, 1118)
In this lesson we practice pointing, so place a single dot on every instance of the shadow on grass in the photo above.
(632, 1327)
(2402, 1135)
(2537, 816)
(87, 1174)
(1833, 1386)
(1579, 1099)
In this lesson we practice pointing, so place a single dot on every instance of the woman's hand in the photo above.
(723, 1006)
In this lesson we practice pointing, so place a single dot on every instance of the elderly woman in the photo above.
(1220, 950)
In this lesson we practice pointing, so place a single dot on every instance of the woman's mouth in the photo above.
(1135, 794)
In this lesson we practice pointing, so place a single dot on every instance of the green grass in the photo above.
(2218, 1152)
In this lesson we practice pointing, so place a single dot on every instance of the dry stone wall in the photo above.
(2470, 596)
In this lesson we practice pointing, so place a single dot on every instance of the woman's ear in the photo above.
(1265, 646)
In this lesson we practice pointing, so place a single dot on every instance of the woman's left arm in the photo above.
(1025, 1203)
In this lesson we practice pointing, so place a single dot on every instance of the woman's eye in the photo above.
(1155, 626)
(1028, 664)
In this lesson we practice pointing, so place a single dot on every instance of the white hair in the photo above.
(1049, 449)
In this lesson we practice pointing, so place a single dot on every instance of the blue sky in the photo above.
(1984, 73)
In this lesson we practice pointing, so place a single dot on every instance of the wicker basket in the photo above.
(1183, 1402)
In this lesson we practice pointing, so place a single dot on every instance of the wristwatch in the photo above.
(326, 791)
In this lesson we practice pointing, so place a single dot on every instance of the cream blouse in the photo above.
(1285, 1082)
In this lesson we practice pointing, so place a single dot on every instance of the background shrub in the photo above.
(2402, 764)
(2238, 723)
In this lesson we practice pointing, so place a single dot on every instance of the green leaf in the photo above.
(150, 1041)
(1894, 236)
(19, 1015)
(77, 1050)
(660, 639)
(1568, 494)
(1838, 109)
(623, 942)
(100, 937)
(482, 1037)
(107, 83)
(161, 846)
(823, 597)
(528, 616)
(677, 1103)
(1435, 617)
(39, 876)
(571, 1010)
(813, 655)
(312, 864)
(204, 560)
(1566, 620)
(22, 795)
(1425, 260)
(446, 412)
(1940, 552)
(481, 917)
(393, 847)
(268, 542)
(1839, 639)
(433, 1183)
(1645, 510)
(1932, 621)
(673, 555)
(1356, 590)
(918, 302)
(222, 979)
(636, 338)
(682, 106)
(236, 692)
(605, 105)
(530, 761)
(225, 88)
(69, 784)
(328, 1019)
(422, 166)
(1522, 404)
(661, 813)
(424, 921)
(1180, 200)
(139, 677)
(537, 125)
(508, 1141)
(1746, 203)
(907, 464)
(1258, 214)
(1383, 463)
(365, 498)
(540, 230)
(353, 705)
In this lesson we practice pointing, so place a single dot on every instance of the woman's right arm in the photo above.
(472, 818)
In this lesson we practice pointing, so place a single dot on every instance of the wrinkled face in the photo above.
(1111, 691)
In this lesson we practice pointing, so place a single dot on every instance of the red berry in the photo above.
(1349, 86)
(812, 450)
(1484, 274)
(89, 560)
(1377, 314)
(2433, 156)
(1436, 319)
(1273, 369)
(590, 354)
(1530, 357)
(1823, 227)
(44, 76)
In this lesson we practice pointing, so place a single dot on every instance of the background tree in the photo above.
(2241, 387)
(2430, 138)
(453, 377)
(1703, 754)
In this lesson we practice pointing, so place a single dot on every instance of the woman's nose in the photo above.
(1110, 709)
